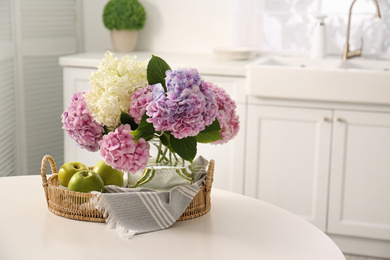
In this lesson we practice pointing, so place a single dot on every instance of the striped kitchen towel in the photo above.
(139, 210)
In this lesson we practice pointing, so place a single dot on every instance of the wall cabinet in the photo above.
(330, 166)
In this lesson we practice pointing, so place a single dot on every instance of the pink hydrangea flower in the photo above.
(139, 100)
(187, 107)
(80, 125)
(211, 106)
(227, 117)
(121, 152)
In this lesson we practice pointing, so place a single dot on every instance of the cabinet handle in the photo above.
(326, 119)
(340, 120)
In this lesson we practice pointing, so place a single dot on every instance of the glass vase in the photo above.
(164, 170)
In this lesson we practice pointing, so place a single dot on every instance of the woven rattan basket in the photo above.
(79, 206)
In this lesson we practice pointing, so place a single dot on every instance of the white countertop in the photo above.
(204, 63)
(237, 227)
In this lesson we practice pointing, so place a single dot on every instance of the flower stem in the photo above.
(164, 155)
(174, 154)
(158, 152)
(146, 177)
(183, 176)
(152, 172)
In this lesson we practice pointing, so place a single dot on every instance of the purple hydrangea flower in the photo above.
(211, 106)
(188, 106)
(139, 100)
(80, 125)
(158, 91)
(121, 152)
(227, 117)
(178, 80)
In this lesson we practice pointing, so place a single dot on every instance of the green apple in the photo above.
(109, 175)
(86, 181)
(67, 170)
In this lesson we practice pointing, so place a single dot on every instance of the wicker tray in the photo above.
(73, 205)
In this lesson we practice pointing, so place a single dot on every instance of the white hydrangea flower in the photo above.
(112, 86)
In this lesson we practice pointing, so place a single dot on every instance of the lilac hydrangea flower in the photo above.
(187, 107)
(181, 79)
(80, 125)
(211, 106)
(227, 117)
(121, 152)
(139, 100)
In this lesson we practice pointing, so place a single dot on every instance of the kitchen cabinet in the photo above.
(359, 197)
(329, 165)
(229, 157)
(287, 159)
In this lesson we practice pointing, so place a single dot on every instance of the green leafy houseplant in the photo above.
(124, 15)
(124, 18)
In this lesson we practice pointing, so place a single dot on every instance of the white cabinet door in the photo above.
(287, 159)
(360, 180)
(229, 157)
(76, 80)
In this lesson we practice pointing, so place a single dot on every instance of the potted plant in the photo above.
(124, 18)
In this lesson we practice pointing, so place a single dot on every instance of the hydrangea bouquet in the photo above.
(134, 103)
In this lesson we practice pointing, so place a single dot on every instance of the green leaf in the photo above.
(210, 134)
(164, 138)
(139, 134)
(145, 130)
(215, 126)
(208, 137)
(155, 71)
(145, 125)
(106, 130)
(185, 147)
(127, 119)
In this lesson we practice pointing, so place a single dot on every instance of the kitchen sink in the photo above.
(356, 80)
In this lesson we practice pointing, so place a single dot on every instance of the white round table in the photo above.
(237, 227)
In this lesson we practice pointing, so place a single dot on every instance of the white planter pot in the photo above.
(124, 40)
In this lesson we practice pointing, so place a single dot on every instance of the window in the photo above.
(286, 27)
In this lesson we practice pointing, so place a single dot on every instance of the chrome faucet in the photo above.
(347, 54)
